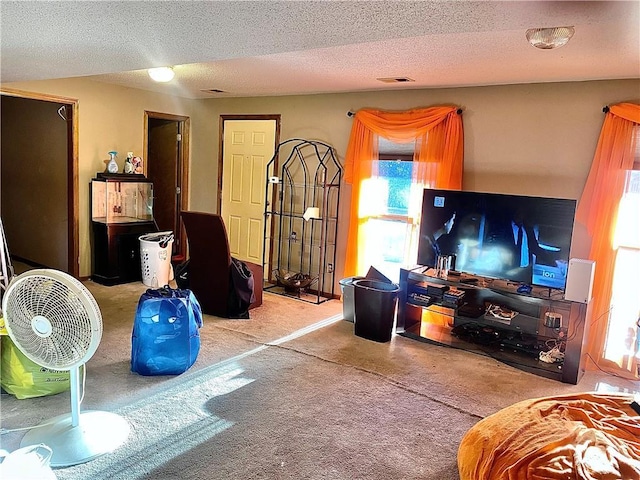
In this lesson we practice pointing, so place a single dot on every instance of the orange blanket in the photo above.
(583, 436)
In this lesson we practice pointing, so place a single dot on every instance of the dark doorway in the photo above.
(39, 181)
(167, 144)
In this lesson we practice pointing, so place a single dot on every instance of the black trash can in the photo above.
(348, 301)
(375, 307)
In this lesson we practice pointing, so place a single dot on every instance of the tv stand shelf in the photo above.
(515, 333)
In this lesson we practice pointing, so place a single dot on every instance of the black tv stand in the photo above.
(493, 319)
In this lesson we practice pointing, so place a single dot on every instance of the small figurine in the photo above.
(112, 166)
(137, 165)
(128, 164)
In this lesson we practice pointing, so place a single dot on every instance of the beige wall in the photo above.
(534, 139)
(112, 118)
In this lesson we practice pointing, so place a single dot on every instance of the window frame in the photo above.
(411, 222)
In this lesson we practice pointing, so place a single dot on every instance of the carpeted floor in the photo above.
(289, 394)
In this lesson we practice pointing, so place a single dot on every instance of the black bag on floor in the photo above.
(181, 273)
(241, 290)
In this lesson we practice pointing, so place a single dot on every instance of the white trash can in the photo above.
(155, 258)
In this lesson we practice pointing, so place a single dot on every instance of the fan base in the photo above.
(97, 433)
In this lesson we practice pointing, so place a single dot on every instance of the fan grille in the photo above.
(69, 308)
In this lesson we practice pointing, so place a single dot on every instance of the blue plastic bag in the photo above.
(165, 339)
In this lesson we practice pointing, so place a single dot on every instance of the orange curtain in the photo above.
(598, 210)
(437, 133)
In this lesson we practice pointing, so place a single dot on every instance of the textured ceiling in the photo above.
(248, 48)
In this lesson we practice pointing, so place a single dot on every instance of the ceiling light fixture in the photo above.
(161, 74)
(548, 38)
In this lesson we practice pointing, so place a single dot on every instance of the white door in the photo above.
(248, 146)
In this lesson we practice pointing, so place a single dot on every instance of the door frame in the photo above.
(73, 208)
(183, 165)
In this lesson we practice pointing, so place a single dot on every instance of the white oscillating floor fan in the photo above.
(55, 321)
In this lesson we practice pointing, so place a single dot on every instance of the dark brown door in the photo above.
(164, 165)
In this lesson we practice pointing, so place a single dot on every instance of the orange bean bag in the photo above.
(582, 436)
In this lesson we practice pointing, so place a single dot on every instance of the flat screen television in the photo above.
(518, 238)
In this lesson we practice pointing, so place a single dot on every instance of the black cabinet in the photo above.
(491, 318)
(116, 252)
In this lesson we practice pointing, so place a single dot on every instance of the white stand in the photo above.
(78, 438)
(6, 270)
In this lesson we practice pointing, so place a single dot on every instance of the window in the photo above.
(392, 211)
(622, 342)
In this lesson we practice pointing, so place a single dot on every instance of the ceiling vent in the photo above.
(212, 90)
(395, 79)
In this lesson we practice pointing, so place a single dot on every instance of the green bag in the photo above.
(23, 378)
